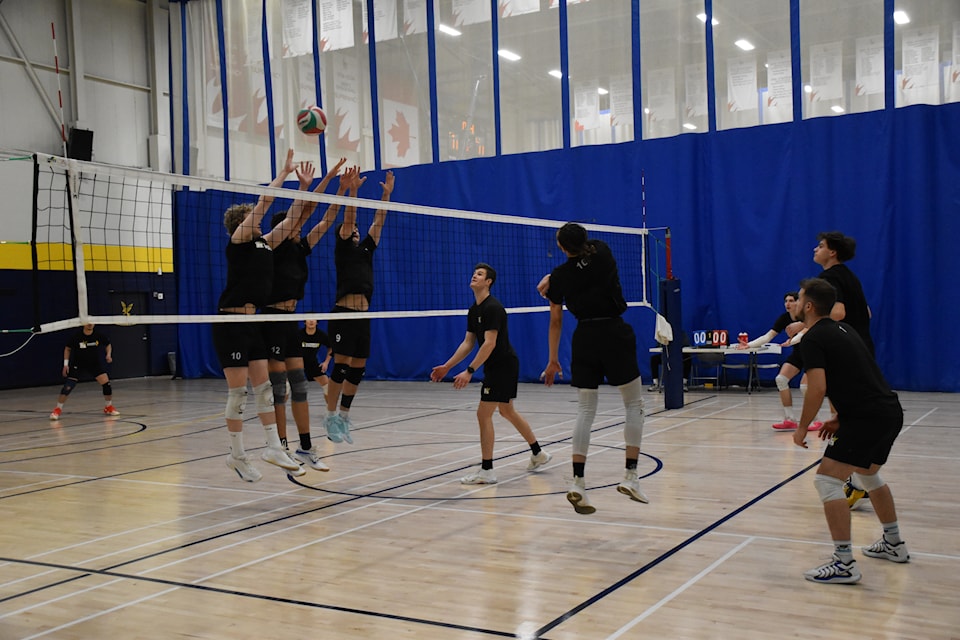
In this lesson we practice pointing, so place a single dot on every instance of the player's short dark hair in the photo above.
(845, 246)
(791, 294)
(820, 294)
(490, 271)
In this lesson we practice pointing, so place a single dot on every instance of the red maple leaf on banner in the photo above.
(400, 132)
(344, 141)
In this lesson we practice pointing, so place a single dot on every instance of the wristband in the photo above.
(66, 363)
(471, 370)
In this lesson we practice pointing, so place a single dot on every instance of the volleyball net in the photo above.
(115, 245)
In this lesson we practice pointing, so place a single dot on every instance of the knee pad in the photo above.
(278, 380)
(236, 399)
(783, 382)
(632, 395)
(355, 374)
(68, 386)
(107, 389)
(298, 385)
(803, 390)
(339, 372)
(586, 411)
(868, 482)
(264, 395)
(829, 488)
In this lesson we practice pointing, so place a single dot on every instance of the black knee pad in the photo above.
(107, 389)
(278, 380)
(355, 374)
(68, 386)
(339, 372)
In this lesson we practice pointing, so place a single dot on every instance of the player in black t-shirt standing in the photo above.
(487, 326)
(604, 346)
(868, 419)
(351, 338)
(87, 352)
(312, 338)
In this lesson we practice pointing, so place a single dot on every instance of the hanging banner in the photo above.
(415, 16)
(467, 12)
(742, 84)
(662, 91)
(401, 144)
(621, 100)
(920, 81)
(346, 100)
(869, 66)
(695, 90)
(336, 24)
(826, 71)
(384, 20)
(586, 106)
(517, 7)
(297, 28)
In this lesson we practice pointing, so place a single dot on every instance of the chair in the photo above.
(705, 369)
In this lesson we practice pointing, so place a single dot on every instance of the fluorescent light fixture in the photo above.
(837, 108)
(702, 17)
(602, 91)
(646, 110)
(744, 44)
(807, 88)
(509, 55)
(901, 17)
(450, 31)
(556, 73)
(689, 125)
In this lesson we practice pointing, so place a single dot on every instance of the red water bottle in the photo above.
(743, 338)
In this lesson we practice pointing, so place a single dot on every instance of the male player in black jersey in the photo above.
(351, 338)
(604, 346)
(487, 326)
(868, 419)
(87, 352)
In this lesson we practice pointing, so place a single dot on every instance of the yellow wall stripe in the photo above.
(56, 256)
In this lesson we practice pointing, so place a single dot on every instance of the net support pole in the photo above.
(673, 352)
(34, 259)
(73, 197)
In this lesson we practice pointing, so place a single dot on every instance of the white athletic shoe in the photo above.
(246, 471)
(630, 486)
(310, 458)
(279, 457)
(834, 572)
(480, 476)
(539, 460)
(892, 552)
(577, 496)
(345, 425)
(332, 425)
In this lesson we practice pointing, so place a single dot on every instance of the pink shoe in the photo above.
(786, 425)
(110, 411)
(815, 426)
(55, 414)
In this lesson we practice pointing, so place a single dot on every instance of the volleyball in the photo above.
(312, 120)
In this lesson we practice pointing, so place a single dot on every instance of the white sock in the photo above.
(236, 444)
(891, 532)
(788, 414)
(273, 439)
(59, 405)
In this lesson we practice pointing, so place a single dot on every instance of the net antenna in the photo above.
(120, 223)
(56, 64)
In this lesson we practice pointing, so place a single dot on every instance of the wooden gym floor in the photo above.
(133, 526)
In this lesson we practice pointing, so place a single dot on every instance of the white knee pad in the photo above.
(236, 400)
(783, 382)
(298, 385)
(632, 394)
(829, 488)
(803, 389)
(868, 482)
(264, 395)
(586, 412)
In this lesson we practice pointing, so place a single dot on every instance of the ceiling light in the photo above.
(836, 108)
(901, 17)
(689, 125)
(509, 55)
(602, 91)
(702, 17)
(744, 44)
(646, 110)
(807, 88)
(556, 73)
(450, 31)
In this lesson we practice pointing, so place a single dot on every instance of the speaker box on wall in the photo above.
(80, 144)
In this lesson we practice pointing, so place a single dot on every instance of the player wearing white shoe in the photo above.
(351, 338)
(86, 353)
(869, 418)
(487, 326)
(604, 346)
(240, 347)
(290, 275)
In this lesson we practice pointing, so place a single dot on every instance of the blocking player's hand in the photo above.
(549, 374)
(438, 373)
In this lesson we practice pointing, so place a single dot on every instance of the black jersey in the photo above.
(86, 351)
(289, 270)
(850, 293)
(311, 343)
(781, 323)
(354, 266)
(590, 285)
(855, 385)
(490, 315)
(249, 274)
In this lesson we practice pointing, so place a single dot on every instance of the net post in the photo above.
(73, 193)
(669, 254)
(33, 245)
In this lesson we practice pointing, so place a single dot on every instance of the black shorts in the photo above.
(238, 343)
(866, 440)
(603, 349)
(312, 370)
(77, 372)
(500, 381)
(282, 338)
(350, 338)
